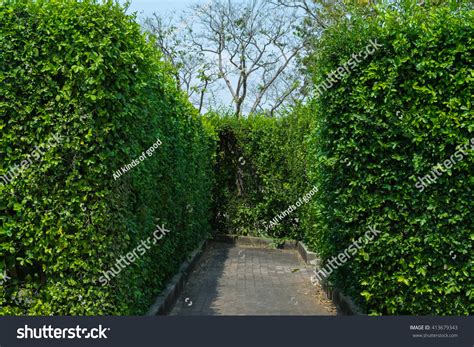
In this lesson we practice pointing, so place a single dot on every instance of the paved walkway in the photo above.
(236, 280)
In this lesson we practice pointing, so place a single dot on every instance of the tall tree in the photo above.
(242, 52)
(316, 17)
(192, 71)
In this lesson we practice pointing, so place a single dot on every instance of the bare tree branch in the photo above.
(241, 49)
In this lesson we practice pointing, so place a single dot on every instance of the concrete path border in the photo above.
(165, 301)
(344, 303)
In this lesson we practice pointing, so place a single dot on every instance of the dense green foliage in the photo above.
(261, 172)
(389, 121)
(84, 93)
(84, 71)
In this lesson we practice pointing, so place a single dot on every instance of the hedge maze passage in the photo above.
(112, 173)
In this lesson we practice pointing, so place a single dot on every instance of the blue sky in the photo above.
(145, 8)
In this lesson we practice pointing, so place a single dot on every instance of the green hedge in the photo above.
(261, 172)
(388, 122)
(84, 72)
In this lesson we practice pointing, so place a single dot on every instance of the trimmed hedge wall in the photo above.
(83, 94)
(84, 73)
(388, 122)
(260, 173)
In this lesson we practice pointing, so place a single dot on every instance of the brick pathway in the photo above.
(236, 280)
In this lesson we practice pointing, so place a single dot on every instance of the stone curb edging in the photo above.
(253, 241)
(308, 256)
(344, 303)
(165, 301)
